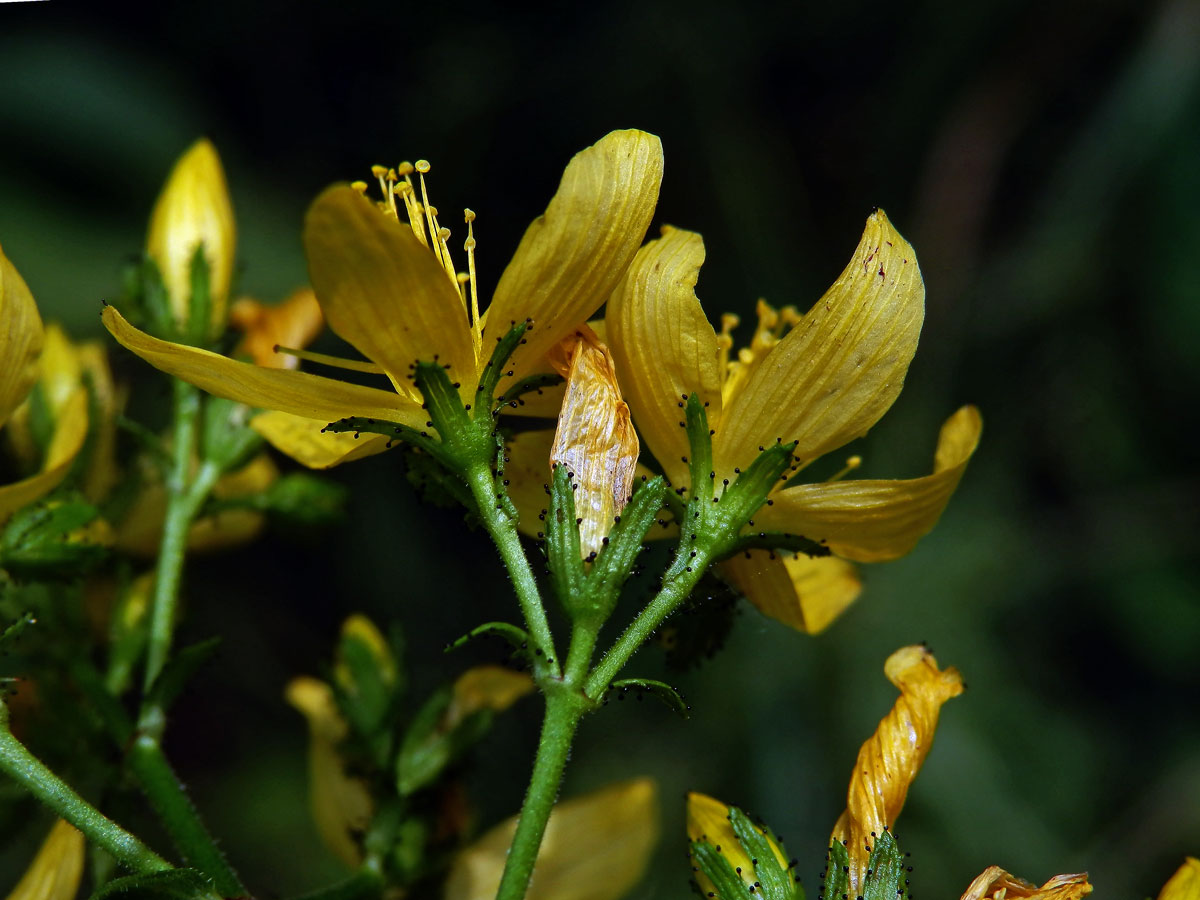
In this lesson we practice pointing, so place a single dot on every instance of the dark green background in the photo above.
(1044, 159)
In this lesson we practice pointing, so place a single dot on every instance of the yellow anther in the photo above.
(851, 464)
(360, 186)
(378, 171)
(392, 176)
(405, 169)
(443, 232)
(422, 166)
(468, 216)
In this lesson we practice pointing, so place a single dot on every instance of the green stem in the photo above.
(564, 708)
(674, 591)
(28, 771)
(185, 495)
(503, 530)
(169, 799)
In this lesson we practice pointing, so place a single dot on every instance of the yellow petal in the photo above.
(575, 253)
(486, 687)
(708, 820)
(837, 371)
(889, 761)
(877, 520)
(69, 433)
(664, 346)
(383, 291)
(194, 209)
(303, 440)
(294, 323)
(528, 474)
(57, 869)
(299, 393)
(996, 884)
(545, 403)
(1185, 883)
(797, 590)
(102, 470)
(20, 338)
(596, 848)
(595, 439)
(341, 806)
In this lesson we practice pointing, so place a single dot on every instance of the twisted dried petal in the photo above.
(996, 884)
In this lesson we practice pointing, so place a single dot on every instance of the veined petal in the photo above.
(57, 869)
(797, 590)
(996, 884)
(294, 323)
(69, 434)
(340, 803)
(595, 848)
(877, 520)
(20, 338)
(837, 371)
(664, 346)
(1184, 884)
(889, 761)
(383, 291)
(303, 440)
(299, 393)
(575, 253)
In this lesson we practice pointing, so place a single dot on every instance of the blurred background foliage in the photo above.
(1044, 158)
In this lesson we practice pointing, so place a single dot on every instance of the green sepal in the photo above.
(614, 565)
(563, 554)
(179, 670)
(727, 884)
(700, 447)
(49, 540)
(172, 884)
(668, 694)
(368, 682)
(837, 873)
(885, 879)
(426, 440)
(493, 369)
(775, 882)
(151, 300)
(226, 437)
(777, 540)
(748, 493)
(463, 441)
(429, 748)
(199, 325)
(512, 397)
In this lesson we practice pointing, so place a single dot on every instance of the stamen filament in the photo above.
(469, 247)
(851, 464)
(337, 362)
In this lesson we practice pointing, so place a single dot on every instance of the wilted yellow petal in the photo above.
(1184, 884)
(889, 761)
(294, 323)
(341, 805)
(304, 441)
(797, 590)
(595, 848)
(69, 433)
(20, 338)
(708, 820)
(486, 687)
(57, 869)
(299, 393)
(839, 369)
(877, 520)
(194, 209)
(595, 439)
(996, 884)
(664, 346)
(575, 253)
(383, 291)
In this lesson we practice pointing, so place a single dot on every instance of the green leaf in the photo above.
(179, 671)
(368, 683)
(173, 884)
(428, 748)
(668, 694)
(226, 438)
(516, 637)
(886, 879)
(51, 540)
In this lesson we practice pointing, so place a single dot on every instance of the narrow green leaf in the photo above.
(562, 543)
(613, 566)
(173, 884)
(179, 671)
(516, 637)
(493, 369)
(668, 694)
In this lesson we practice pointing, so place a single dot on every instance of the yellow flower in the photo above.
(57, 869)
(596, 847)
(821, 380)
(996, 884)
(194, 210)
(1184, 884)
(889, 761)
(391, 290)
(21, 342)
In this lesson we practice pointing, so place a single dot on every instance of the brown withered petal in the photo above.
(996, 884)
(595, 438)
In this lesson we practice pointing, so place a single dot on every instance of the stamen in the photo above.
(360, 186)
(337, 362)
(422, 166)
(851, 464)
(469, 247)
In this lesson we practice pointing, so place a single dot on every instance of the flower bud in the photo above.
(194, 211)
